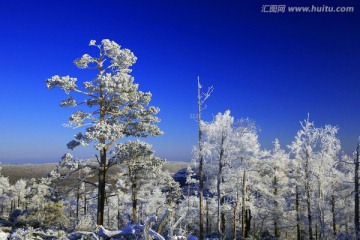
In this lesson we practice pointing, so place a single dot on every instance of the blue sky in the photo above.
(271, 67)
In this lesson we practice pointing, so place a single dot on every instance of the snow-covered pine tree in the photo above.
(302, 149)
(327, 178)
(220, 140)
(273, 187)
(315, 152)
(4, 197)
(232, 152)
(116, 108)
(141, 167)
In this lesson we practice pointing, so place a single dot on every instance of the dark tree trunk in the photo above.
(201, 199)
(134, 200)
(101, 188)
(309, 215)
(118, 212)
(108, 214)
(297, 207)
(276, 225)
(77, 204)
(85, 203)
(235, 218)
(201, 173)
(220, 200)
(171, 215)
(333, 214)
(248, 223)
(356, 193)
(223, 220)
(307, 192)
(243, 235)
(207, 217)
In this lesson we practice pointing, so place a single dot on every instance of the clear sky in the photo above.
(271, 67)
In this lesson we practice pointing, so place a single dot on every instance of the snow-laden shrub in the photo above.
(86, 223)
(3, 235)
(51, 214)
(37, 234)
(82, 235)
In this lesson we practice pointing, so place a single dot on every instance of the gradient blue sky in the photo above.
(272, 68)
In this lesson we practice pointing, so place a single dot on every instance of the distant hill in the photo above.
(28, 171)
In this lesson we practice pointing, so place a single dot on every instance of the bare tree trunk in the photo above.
(223, 220)
(207, 217)
(333, 214)
(276, 206)
(297, 205)
(85, 203)
(171, 216)
(243, 235)
(220, 200)
(77, 204)
(118, 212)
(201, 99)
(309, 215)
(188, 206)
(108, 213)
(201, 173)
(134, 201)
(321, 230)
(307, 192)
(235, 218)
(356, 193)
(248, 223)
(146, 229)
(101, 188)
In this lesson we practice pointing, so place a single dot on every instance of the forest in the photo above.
(232, 189)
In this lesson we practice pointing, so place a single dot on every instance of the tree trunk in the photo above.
(201, 173)
(101, 188)
(108, 213)
(118, 212)
(248, 223)
(309, 215)
(307, 192)
(297, 205)
(356, 193)
(243, 208)
(188, 206)
(223, 220)
(320, 231)
(333, 214)
(220, 200)
(77, 204)
(134, 201)
(146, 229)
(85, 203)
(171, 216)
(235, 222)
(276, 225)
(207, 217)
